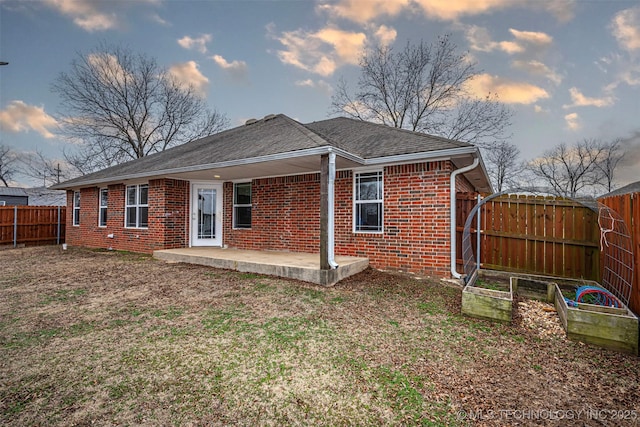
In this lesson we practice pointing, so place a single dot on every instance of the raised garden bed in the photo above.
(490, 304)
(489, 297)
(614, 328)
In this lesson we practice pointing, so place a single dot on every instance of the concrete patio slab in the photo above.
(293, 265)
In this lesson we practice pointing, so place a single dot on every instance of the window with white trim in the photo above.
(242, 205)
(368, 203)
(137, 206)
(76, 208)
(102, 207)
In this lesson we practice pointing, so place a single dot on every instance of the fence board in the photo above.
(540, 235)
(36, 225)
(628, 207)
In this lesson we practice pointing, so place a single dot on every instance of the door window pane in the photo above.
(206, 213)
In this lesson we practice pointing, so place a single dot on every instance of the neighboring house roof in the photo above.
(42, 196)
(634, 187)
(279, 145)
(13, 191)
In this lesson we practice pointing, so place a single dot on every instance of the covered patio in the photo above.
(292, 265)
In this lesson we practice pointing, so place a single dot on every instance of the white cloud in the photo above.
(237, 70)
(198, 43)
(447, 10)
(630, 163)
(479, 39)
(386, 35)
(95, 15)
(106, 66)
(625, 70)
(573, 121)
(563, 10)
(626, 28)
(189, 75)
(631, 76)
(540, 110)
(85, 14)
(21, 117)
(509, 91)
(320, 85)
(529, 42)
(579, 100)
(159, 20)
(320, 52)
(365, 11)
(537, 68)
(535, 38)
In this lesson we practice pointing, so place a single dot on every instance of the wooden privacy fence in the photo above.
(539, 235)
(628, 207)
(32, 225)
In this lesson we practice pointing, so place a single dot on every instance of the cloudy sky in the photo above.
(569, 69)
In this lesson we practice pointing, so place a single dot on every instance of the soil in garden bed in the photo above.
(492, 283)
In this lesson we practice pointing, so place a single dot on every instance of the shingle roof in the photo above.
(13, 191)
(371, 140)
(274, 135)
(634, 187)
(42, 196)
(271, 135)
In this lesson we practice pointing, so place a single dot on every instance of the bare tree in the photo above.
(575, 170)
(610, 158)
(8, 164)
(121, 106)
(422, 88)
(503, 164)
(37, 166)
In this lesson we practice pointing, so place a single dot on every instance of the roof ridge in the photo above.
(309, 133)
(394, 129)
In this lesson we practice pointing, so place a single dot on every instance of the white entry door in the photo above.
(206, 215)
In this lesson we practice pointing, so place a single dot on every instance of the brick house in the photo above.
(334, 187)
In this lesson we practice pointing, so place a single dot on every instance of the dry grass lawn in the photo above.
(106, 338)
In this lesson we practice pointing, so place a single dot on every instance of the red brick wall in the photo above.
(416, 221)
(168, 219)
(286, 216)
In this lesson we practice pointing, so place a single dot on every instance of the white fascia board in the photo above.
(429, 155)
(484, 170)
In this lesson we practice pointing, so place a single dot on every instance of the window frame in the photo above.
(102, 207)
(137, 205)
(356, 202)
(75, 219)
(242, 205)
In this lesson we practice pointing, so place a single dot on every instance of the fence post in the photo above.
(58, 231)
(478, 235)
(15, 226)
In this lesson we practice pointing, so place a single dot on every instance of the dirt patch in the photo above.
(96, 337)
